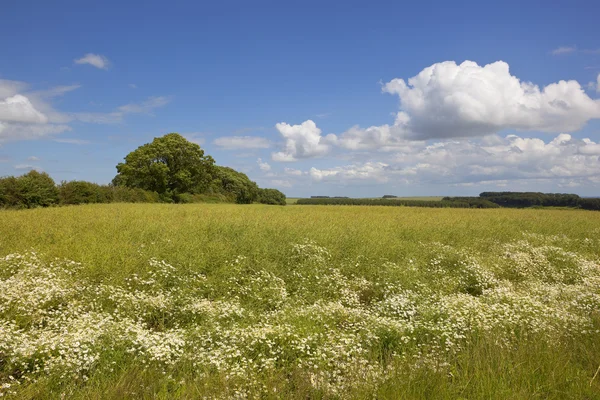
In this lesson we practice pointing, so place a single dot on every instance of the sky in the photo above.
(349, 98)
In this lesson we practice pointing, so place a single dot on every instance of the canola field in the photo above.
(158, 301)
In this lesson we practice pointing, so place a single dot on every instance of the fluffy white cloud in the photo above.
(447, 100)
(242, 142)
(301, 141)
(264, 166)
(96, 60)
(27, 115)
(18, 108)
(563, 160)
(370, 171)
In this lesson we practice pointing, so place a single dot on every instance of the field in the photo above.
(115, 301)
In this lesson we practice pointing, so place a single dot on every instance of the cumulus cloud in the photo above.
(18, 108)
(264, 166)
(95, 60)
(563, 160)
(447, 100)
(242, 142)
(28, 115)
(301, 141)
(374, 172)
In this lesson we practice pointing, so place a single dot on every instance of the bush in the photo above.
(82, 192)
(34, 189)
(271, 196)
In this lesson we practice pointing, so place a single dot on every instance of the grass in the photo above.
(225, 301)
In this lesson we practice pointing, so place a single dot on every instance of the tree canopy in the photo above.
(177, 170)
(170, 165)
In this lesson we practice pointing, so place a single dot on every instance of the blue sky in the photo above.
(310, 97)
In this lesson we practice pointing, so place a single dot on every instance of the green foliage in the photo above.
(81, 192)
(34, 189)
(590, 204)
(170, 166)
(531, 199)
(235, 185)
(271, 196)
(397, 202)
(473, 202)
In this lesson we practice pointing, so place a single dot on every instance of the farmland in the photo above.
(255, 301)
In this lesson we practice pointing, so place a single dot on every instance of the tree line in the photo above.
(465, 203)
(538, 199)
(169, 169)
(485, 200)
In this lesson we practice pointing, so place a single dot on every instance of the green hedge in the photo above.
(392, 202)
(37, 189)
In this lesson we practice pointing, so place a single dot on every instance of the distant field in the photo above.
(315, 302)
(293, 200)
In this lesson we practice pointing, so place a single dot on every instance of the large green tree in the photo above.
(170, 165)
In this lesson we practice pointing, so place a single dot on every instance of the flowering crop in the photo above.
(316, 321)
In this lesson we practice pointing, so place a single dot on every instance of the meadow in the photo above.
(220, 301)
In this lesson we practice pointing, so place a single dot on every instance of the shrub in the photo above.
(34, 189)
(271, 196)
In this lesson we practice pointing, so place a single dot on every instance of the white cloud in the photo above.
(29, 115)
(18, 108)
(264, 166)
(370, 171)
(132, 85)
(563, 50)
(493, 159)
(96, 60)
(242, 142)
(301, 141)
(33, 158)
(293, 172)
(26, 115)
(448, 100)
